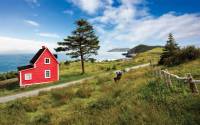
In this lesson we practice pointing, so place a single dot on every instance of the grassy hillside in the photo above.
(139, 98)
(141, 48)
(72, 71)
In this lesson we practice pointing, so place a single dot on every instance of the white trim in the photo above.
(46, 59)
(28, 76)
(49, 52)
(36, 83)
(40, 55)
(45, 74)
(20, 78)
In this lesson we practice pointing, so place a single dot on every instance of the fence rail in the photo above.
(166, 76)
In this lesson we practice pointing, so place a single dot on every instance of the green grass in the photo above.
(192, 67)
(72, 71)
(139, 98)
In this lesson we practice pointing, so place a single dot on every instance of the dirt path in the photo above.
(37, 91)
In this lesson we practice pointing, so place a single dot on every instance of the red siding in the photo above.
(38, 72)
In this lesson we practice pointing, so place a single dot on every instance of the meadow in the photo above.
(72, 71)
(138, 98)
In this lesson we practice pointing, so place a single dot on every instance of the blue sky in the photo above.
(25, 25)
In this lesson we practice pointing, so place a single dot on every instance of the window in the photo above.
(47, 74)
(28, 76)
(47, 61)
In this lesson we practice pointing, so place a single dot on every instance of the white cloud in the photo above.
(91, 6)
(32, 23)
(51, 35)
(128, 25)
(10, 45)
(70, 12)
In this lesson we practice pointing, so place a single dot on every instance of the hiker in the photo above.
(118, 77)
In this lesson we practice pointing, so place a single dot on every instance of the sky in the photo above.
(26, 25)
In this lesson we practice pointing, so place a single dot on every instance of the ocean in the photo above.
(11, 62)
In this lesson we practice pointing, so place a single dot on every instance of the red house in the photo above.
(43, 68)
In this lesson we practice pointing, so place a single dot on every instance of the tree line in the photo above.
(174, 55)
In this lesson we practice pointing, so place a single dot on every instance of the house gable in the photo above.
(46, 55)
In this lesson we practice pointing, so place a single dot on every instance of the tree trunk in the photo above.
(82, 64)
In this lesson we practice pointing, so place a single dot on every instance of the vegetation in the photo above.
(141, 48)
(173, 55)
(69, 71)
(8, 75)
(82, 43)
(139, 98)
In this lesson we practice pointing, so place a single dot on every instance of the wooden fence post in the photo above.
(160, 74)
(168, 79)
(192, 84)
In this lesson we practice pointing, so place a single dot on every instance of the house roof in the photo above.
(37, 55)
(35, 58)
(25, 67)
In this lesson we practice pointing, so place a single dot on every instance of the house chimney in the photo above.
(43, 47)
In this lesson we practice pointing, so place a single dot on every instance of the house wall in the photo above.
(38, 72)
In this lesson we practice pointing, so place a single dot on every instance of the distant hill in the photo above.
(119, 50)
(139, 49)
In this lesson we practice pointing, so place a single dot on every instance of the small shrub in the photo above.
(60, 96)
(92, 60)
(103, 103)
(114, 67)
(2, 77)
(67, 62)
(84, 92)
(108, 68)
(8, 75)
(43, 119)
(16, 106)
(104, 78)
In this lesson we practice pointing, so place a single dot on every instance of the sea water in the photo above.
(10, 62)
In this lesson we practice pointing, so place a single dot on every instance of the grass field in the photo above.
(72, 71)
(139, 98)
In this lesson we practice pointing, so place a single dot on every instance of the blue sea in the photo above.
(12, 61)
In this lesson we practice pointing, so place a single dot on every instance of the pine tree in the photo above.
(170, 50)
(81, 44)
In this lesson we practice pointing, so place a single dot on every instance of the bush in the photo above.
(67, 62)
(92, 60)
(189, 53)
(84, 92)
(61, 96)
(2, 77)
(114, 67)
(43, 119)
(8, 75)
(103, 103)
(183, 55)
(108, 68)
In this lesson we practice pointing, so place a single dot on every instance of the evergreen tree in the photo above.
(170, 50)
(82, 43)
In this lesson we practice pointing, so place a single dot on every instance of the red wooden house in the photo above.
(43, 68)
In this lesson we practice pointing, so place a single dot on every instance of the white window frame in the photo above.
(28, 76)
(45, 74)
(46, 59)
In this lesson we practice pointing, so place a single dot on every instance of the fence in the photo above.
(167, 77)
